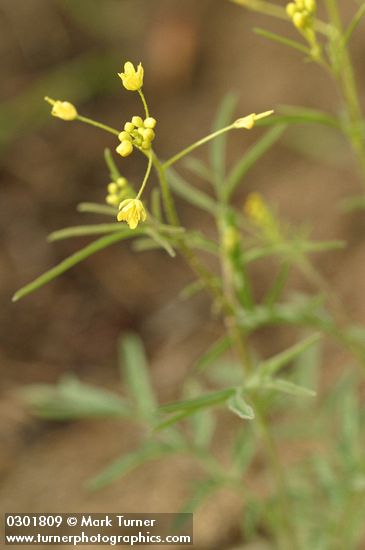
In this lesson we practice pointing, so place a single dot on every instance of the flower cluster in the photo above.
(259, 213)
(137, 133)
(117, 191)
(301, 12)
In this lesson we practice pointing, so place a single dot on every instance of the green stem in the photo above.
(143, 99)
(286, 532)
(168, 201)
(172, 216)
(343, 72)
(232, 328)
(146, 176)
(193, 146)
(97, 124)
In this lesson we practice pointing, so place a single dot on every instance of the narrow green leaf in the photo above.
(275, 291)
(283, 40)
(162, 241)
(264, 7)
(85, 230)
(225, 373)
(202, 490)
(218, 145)
(133, 364)
(353, 25)
(213, 353)
(191, 289)
(190, 193)
(279, 361)
(202, 402)
(72, 399)
(167, 422)
(170, 229)
(198, 168)
(145, 243)
(128, 463)
(250, 158)
(69, 262)
(202, 425)
(299, 312)
(113, 170)
(292, 249)
(237, 404)
(244, 450)
(197, 240)
(95, 208)
(306, 369)
(285, 386)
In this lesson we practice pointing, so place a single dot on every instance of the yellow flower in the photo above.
(132, 211)
(132, 79)
(248, 121)
(62, 109)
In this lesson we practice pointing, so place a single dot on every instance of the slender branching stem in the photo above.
(343, 73)
(286, 535)
(188, 253)
(196, 144)
(145, 106)
(100, 125)
(146, 176)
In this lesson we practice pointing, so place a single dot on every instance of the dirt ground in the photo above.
(193, 53)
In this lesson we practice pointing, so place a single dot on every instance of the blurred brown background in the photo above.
(193, 52)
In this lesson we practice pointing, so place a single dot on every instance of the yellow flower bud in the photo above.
(62, 109)
(128, 127)
(121, 182)
(112, 200)
(300, 4)
(150, 122)
(132, 79)
(146, 144)
(124, 148)
(310, 5)
(112, 187)
(246, 122)
(149, 134)
(124, 136)
(132, 211)
(291, 8)
(249, 121)
(299, 20)
(137, 121)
